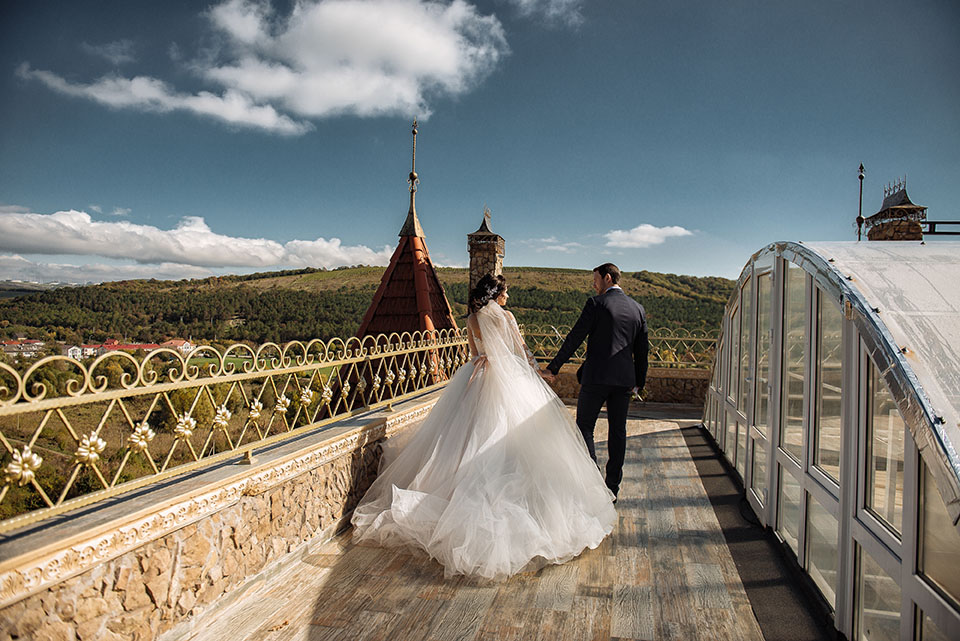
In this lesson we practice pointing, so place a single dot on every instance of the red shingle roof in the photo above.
(410, 297)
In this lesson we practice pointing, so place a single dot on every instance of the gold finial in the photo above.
(411, 227)
(414, 180)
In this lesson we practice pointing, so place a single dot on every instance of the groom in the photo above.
(615, 366)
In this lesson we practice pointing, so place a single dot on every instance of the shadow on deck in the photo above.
(666, 572)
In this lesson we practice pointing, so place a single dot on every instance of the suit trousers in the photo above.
(589, 404)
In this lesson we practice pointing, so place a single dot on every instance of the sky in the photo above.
(181, 139)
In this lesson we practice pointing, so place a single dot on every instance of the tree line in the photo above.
(226, 310)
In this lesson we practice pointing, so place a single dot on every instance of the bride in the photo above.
(497, 478)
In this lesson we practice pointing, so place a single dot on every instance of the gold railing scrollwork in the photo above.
(73, 433)
(678, 348)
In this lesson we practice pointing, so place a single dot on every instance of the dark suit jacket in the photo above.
(617, 346)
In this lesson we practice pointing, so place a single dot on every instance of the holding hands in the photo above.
(547, 375)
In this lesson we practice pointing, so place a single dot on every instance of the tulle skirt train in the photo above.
(496, 480)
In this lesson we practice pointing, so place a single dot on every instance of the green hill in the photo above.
(309, 303)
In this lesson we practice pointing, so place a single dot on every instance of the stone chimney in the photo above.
(486, 251)
(898, 218)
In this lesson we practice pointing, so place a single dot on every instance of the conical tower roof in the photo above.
(410, 297)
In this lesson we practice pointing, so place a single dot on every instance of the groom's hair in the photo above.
(609, 269)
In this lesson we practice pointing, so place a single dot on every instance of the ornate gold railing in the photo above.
(74, 433)
(668, 347)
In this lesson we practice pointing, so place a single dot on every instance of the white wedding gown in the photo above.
(497, 478)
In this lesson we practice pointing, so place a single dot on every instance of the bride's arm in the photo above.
(521, 345)
(473, 330)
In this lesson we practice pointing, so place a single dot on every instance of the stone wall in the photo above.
(178, 571)
(664, 385)
(896, 230)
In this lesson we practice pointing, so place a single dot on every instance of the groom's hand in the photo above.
(547, 375)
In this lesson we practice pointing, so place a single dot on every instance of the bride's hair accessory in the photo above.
(488, 288)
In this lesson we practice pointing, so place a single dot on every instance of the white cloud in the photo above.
(150, 94)
(328, 57)
(551, 244)
(644, 235)
(15, 267)
(560, 247)
(332, 253)
(120, 211)
(13, 209)
(362, 57)
(566, 12)
(191, 243)
(117, 52)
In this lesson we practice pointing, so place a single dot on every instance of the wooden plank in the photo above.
(376, 626)
(632, 612)
(551, 625)
(589, 619)
(511, 599)
(708, 586)
(417, 620)
(462, 615)
(558, 587)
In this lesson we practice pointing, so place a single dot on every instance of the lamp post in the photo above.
(860, 211)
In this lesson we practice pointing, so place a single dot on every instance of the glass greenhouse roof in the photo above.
(911, 292)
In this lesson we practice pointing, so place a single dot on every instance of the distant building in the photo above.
(22, 348)
(89, 351)
(179, 344)
(898, 218)
(73, 351)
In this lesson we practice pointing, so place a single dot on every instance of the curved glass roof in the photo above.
(905, 299)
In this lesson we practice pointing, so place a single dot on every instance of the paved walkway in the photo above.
(664, 573)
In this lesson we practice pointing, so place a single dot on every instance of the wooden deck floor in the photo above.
(664, 573)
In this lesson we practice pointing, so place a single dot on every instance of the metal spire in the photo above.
(860, 218)
(411, 227)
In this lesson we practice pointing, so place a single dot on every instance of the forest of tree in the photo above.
(234, 308)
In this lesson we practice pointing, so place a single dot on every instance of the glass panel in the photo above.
(708, 413)
(730, 442)
(744, 346)
(940, 541)
(759, 481)
(764, 284)
(929, 631)
(718, 364)
(878, 602)
(733, 375)
(794, 354)
(741, 449)
(788, 520)
(822, 559)
(885, 429)
(829, 384)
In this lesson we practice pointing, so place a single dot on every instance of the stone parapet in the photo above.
(664, 385)
(148, 566)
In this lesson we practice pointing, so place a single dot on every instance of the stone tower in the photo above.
(898, 218)
(486, 251)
